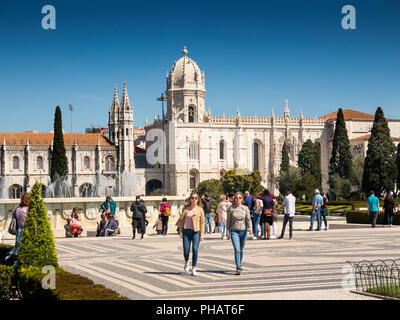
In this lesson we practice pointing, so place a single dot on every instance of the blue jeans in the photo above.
(317, 213)
(207, 217)
(256, 222)
(190, 236)
(323, 216)
(238, 239)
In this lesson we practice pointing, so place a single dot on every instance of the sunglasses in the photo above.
(194, 198)
(238, 197)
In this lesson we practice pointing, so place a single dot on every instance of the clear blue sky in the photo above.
(255, 55)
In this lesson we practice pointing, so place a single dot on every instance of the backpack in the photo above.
(207, 206)
(167, 211)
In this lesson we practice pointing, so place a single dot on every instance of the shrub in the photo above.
(363, 217)
(37, 244)
(68, 287)
(6, 275)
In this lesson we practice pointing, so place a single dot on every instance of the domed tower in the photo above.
(185, 91)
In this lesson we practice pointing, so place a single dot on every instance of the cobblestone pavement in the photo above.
(308, 267)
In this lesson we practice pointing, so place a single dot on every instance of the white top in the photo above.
(290, 203)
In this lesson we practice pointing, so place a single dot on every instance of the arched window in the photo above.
(193, 179)
(110, 163)
(39, 163)
(221, 150)
(86, 162)
(193, 151)
(86, 190)
(15, 191)
(15, 162)
(255, 156)
(191, 114)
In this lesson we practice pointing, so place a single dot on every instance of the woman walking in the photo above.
(165, 210)
(222, 212)
(20, 214)
(388, 206)
(191, 229)
(238, 215)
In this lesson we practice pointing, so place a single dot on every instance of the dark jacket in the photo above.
(139, 210)
(112, 224)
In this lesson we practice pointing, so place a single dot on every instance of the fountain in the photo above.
(59, 188)
(128, 184)
(103, 186)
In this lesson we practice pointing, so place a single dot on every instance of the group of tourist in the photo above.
(238, 216)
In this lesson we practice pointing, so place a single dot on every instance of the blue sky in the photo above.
(255, 55)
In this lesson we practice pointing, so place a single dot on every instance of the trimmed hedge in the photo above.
(69, 286)
(363, 217)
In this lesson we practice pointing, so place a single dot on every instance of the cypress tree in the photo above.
(341, 159)
(285, 159)
(309, 161)
(37, 244)
(59, 163)
(380, 163)
(306, 160)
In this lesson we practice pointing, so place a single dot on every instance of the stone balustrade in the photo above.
(60, 209)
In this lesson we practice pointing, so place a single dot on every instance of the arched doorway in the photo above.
(152, 185)
(15, 191)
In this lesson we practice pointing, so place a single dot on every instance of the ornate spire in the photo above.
(184, 51)
(301, 113)
(272, 113)
(125, 104)
(115, 103)
(237, 112)
(287, 111)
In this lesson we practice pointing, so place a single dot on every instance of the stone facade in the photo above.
(202, 146)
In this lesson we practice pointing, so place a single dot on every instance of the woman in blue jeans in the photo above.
(191, 230)
(236, 228)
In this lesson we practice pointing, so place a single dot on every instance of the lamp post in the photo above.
(162, 99)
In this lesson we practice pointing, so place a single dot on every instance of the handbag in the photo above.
(12, 229)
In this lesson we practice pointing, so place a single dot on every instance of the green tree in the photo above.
(59, 163)
(309, 161)
(380, 163)
(37, 244)
(305, 185)
(357, 173)
(286, 179)
(212, 187)
(339, 187)
(285, 159)
(242, 180)
(341, 158)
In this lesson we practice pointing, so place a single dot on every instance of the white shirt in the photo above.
(290, 202)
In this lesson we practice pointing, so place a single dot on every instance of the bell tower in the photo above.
(185, 91)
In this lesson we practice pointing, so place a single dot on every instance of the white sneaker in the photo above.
(186, 268)
(273, 237)
(194, 273)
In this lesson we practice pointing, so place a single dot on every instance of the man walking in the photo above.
(373, 207)
(138, 217)
(289, 202)
(207, 205)
(316, 205)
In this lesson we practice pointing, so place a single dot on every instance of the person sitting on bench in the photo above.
(111, 227)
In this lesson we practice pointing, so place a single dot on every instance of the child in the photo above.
(67, 228)
(158, 225)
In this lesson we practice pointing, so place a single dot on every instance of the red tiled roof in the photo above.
(45, 139)
(350, 114)
(367, 136)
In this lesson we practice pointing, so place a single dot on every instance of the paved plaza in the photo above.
(308, 267)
